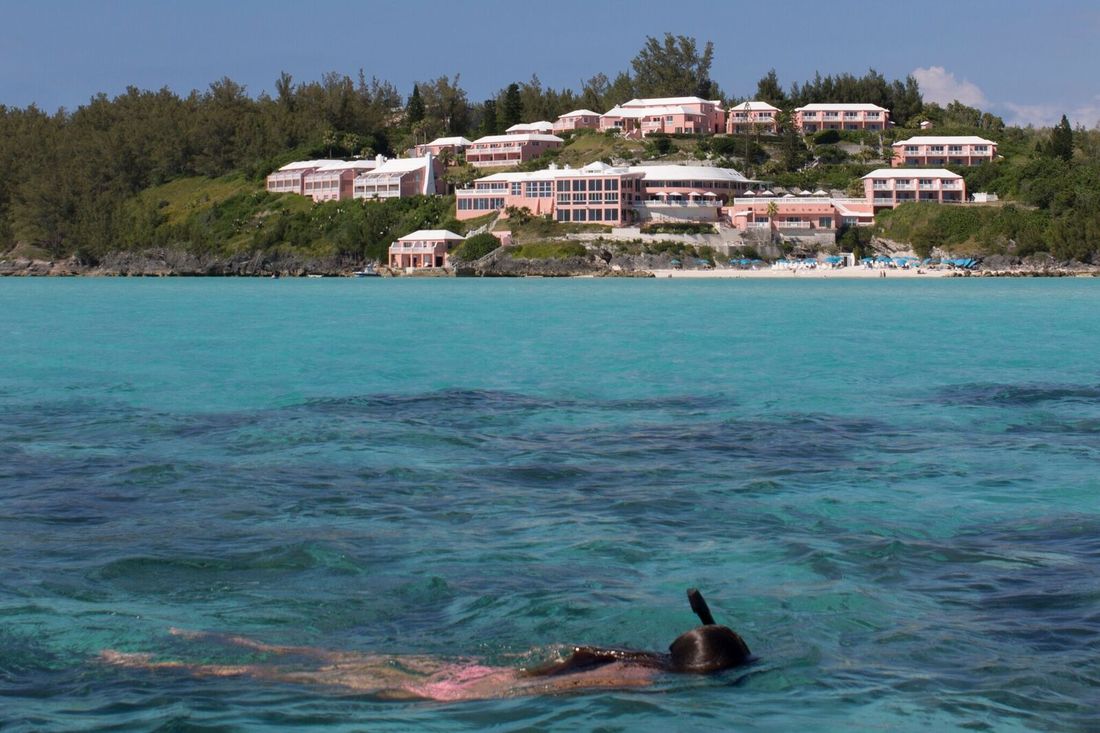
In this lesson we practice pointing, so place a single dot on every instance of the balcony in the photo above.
(879, 200)
(793, 224)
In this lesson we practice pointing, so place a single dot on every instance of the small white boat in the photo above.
(367, 271)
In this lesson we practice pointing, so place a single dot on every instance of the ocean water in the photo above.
(889, 488)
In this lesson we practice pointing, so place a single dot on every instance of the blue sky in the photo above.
(1027, 61)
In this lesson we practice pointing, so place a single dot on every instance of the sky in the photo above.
(1028, 61)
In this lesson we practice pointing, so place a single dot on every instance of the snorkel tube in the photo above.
(699, 606)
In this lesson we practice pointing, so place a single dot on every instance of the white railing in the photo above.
(793, 224)
(760, 225)
(881, 200)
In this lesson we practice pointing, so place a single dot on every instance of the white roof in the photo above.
(422, 235)
(700, 173)
(397, 165)
(344, 165)
(450, 141)
(303, 164)
(580, 113)
(540, 126)
(524, 137)
(754, 107)
(911, 173)
(841, 106)
(945, 140)
(666, 101)
(647, 111)
(688, 172)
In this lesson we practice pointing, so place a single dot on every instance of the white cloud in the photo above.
(1047, 115)
(939, 85)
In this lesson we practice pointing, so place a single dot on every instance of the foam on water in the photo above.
(888, 489)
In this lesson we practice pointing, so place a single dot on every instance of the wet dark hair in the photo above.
(707, 649)
(703, 650)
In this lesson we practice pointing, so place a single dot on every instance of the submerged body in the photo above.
(397, 678)
(703, 650)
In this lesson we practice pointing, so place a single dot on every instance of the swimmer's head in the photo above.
(708, 649)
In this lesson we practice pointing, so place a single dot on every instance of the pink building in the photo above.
(423, 248)
(608, 195)
(333, 181)
(542, 127)
(944, 150)
(401, 178)
(837, 116)
(453, 145)
(885, 188)
(752, 117)
(577, 119)
(817, 212)
(505, 150)
(291, 177)
(641, 117)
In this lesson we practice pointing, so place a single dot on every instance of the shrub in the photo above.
(676, 227)
(476, 247)
(549, 251)
(826, 137)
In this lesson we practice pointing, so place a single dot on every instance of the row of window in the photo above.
(480, 204)
(592, 198)
(955, 149)
(588, 215)
(835, 115)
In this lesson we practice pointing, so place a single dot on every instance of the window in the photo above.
(610, 214)
(578, 184)
(825, 222)
(563, 214)
(612, 186)
(517, 188)
(595, 198)
(595, 215)
(580, 215)
(578, 198)
(595, 184)
(563, 185)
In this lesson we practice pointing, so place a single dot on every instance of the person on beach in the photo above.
(706, 649)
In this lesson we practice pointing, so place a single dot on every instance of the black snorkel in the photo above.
(699, 606)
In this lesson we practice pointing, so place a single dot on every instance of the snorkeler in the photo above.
(705, 649)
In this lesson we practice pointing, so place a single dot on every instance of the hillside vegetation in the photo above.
(152, 169)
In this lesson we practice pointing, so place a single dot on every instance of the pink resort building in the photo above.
(641, 117)
(425, 248)
(577, 119)
(291, 177)
(944, 150)
(454, 145)
(885, 188)
(400, 178)
(752, 117)
(609, 195)
(803, 214)
(836, 116)
(333, 181)
(542, 127)
(506, 150)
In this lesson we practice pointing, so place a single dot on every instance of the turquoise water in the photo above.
(889, 489)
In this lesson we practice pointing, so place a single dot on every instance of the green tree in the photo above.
(768, 90)
(414, 111)
(489, 117)
(674, 67)
(1061, 141)
(511, 107)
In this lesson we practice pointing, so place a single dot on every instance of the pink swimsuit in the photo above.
(454, 681)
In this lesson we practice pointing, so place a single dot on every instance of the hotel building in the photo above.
(752, 117)
(944, 150)
(641, 117)
(885, 188)
(506, 150)
(423, 248)
(835, 116)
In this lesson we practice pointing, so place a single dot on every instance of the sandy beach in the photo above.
(805, 273)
